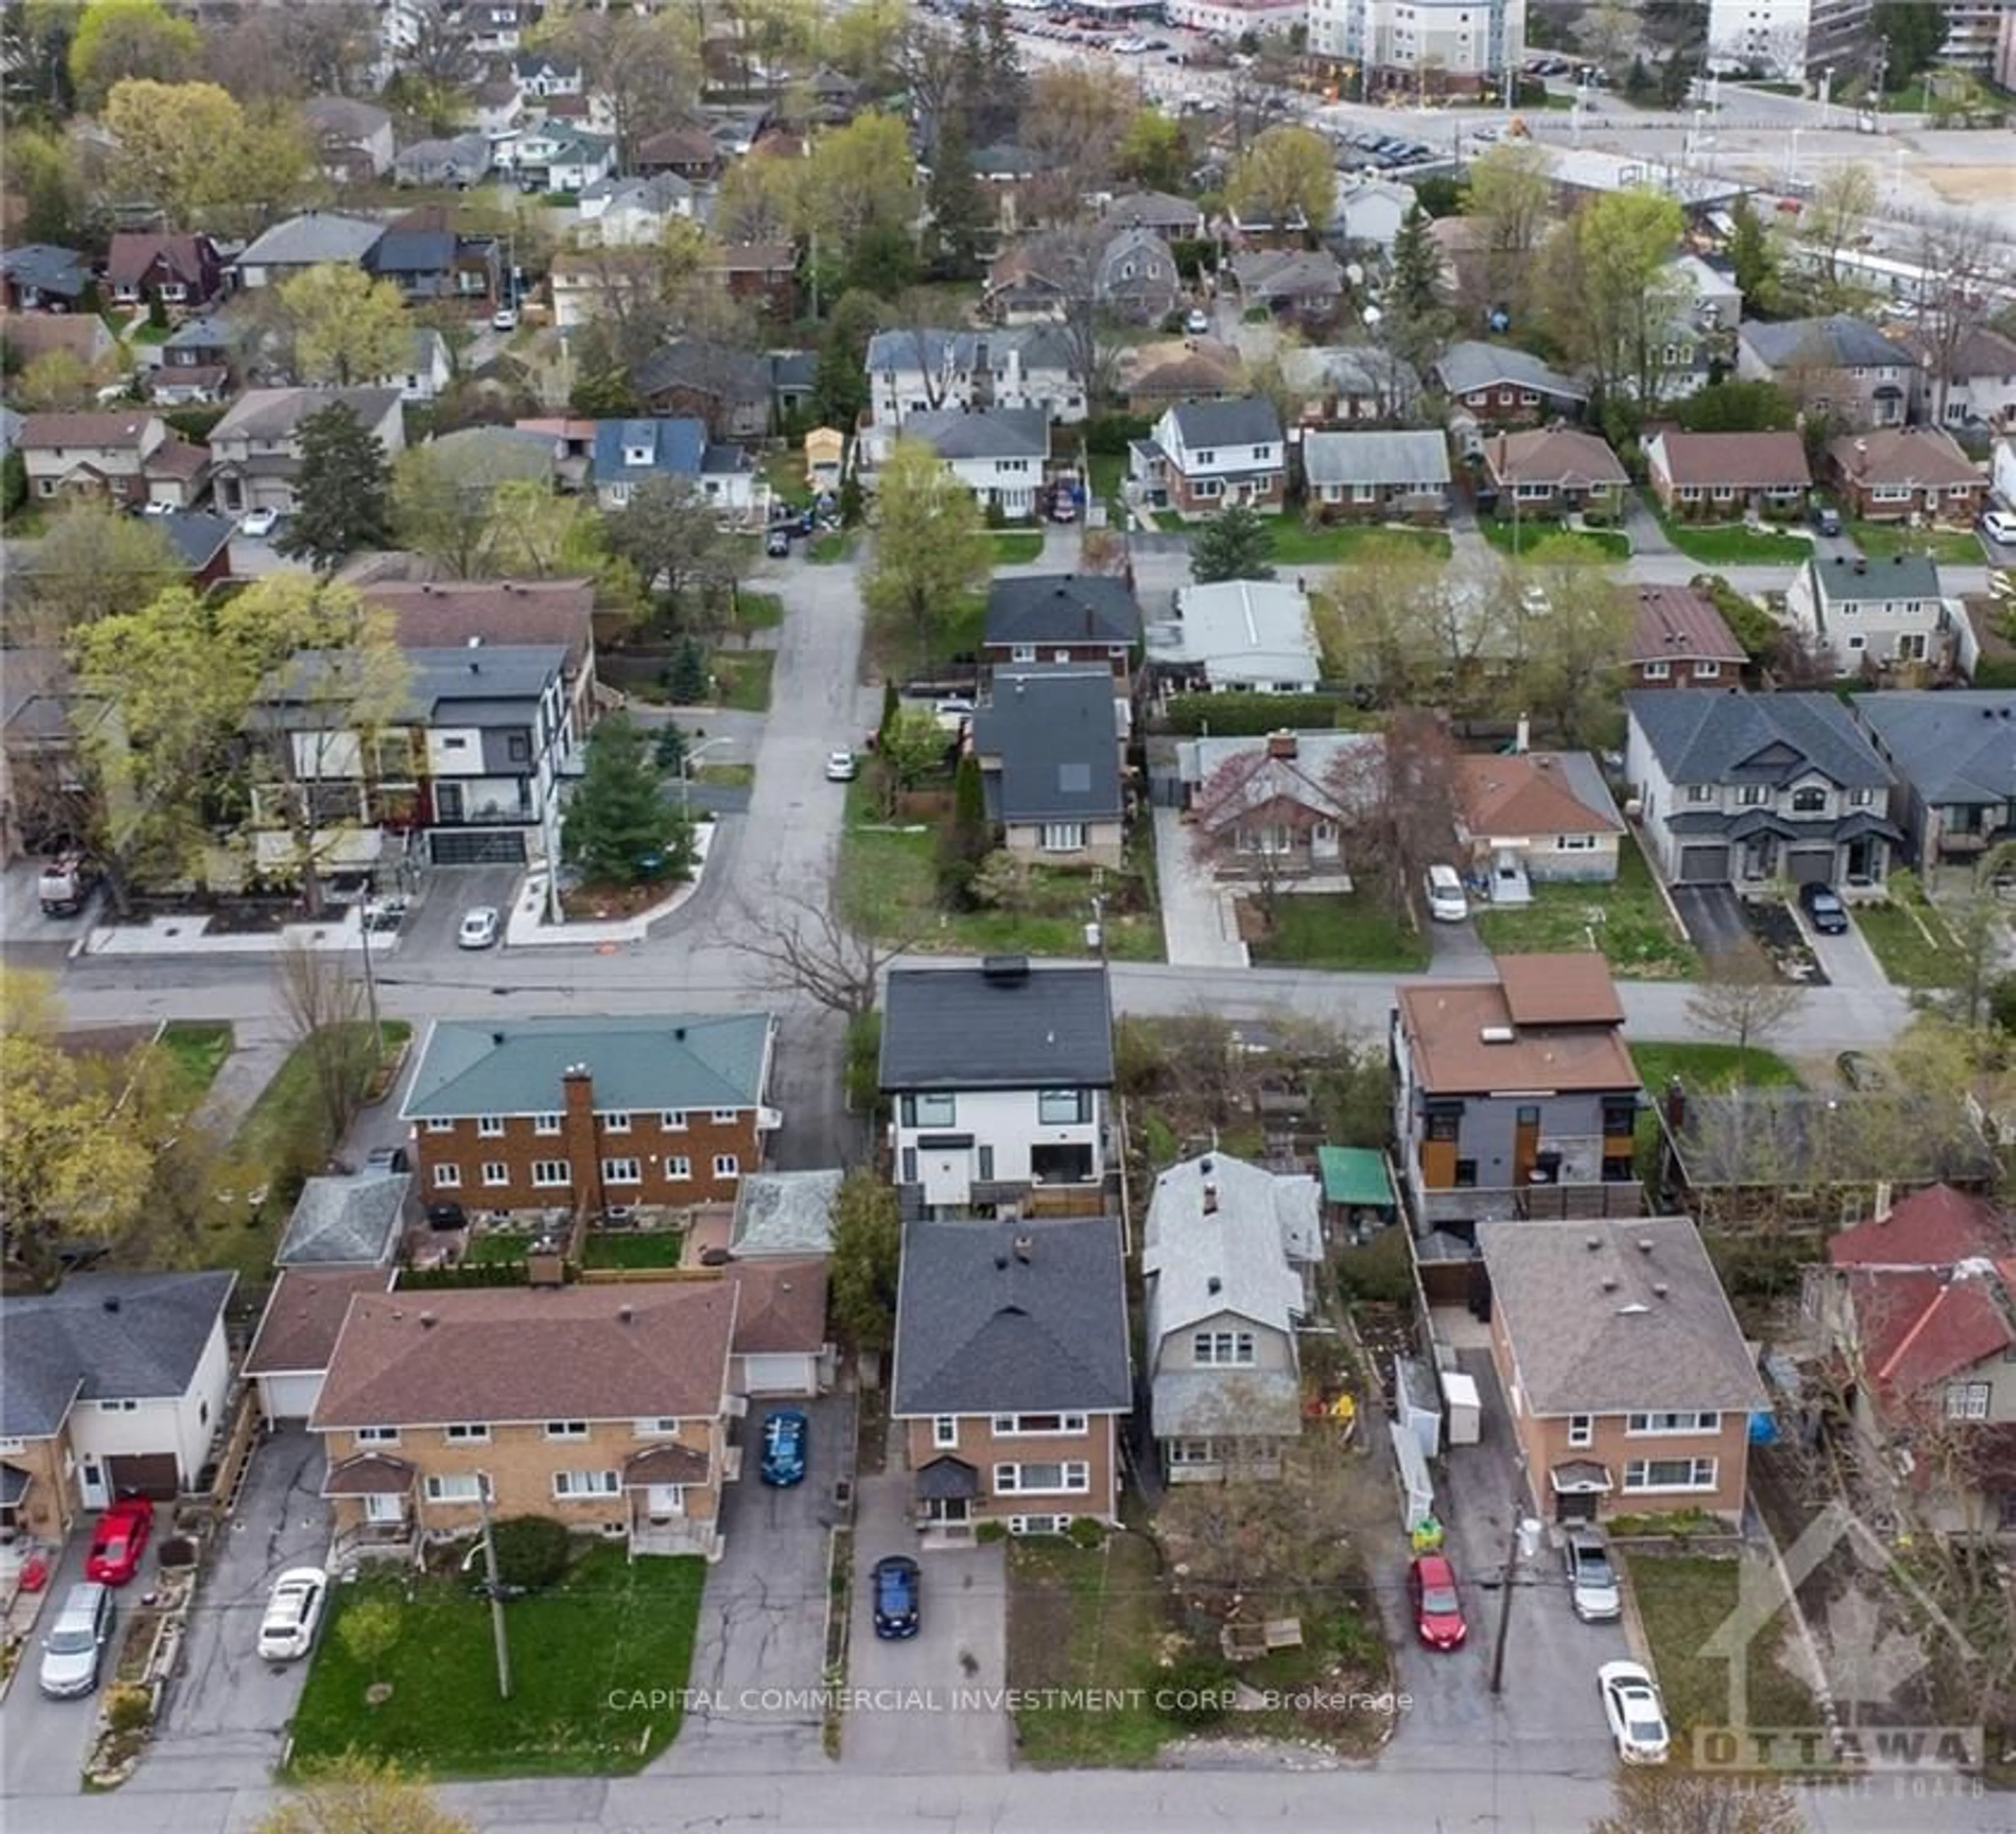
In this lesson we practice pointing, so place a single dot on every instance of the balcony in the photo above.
(1587, 1200)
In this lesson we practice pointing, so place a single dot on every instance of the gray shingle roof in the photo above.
(319, 235)
(1714, 738)
(1234, 1258)
(974, 1028)
(103, 1337)
(514, 1066)
(345, 1221)
(1615, 1329)
(1053, 728)
(1901, 575)
(1953, 747)
(936, 352)
(1028, 1316)
(277, 413)
(1062, 608)
(1418, 459)
(993, 433)
(1471, 365)
(1249, 422)
(1840, 341)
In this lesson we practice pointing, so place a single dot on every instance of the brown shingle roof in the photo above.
(1564, 989)
(127, 427)
(503, 1354)
(1677, 624)
(665, 1465)
(369, 1474)
(783, 1307)
(304, 1316)
(1445, 1023)
(446, 614)
(1904, 455)
(81, 335)
(1739, 461)
(134, 251)
(1553, 455)
(756, 257)
(1525, 794)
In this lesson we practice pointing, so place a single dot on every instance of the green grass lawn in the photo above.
(745, 675)
(612, 1628)
(1017, 547)
(1528, 532)
(1338, 929)
(759, 611)
(1080, 1618)
(643, 1248)
(1711, 1067)
(785, 473)
(1732, 544)
(829, 549)
(1297, 543)
(1880, 540)
(1627, 921)
(1911, 955)
(1681, 1600)
(496, 1248)
(195, 1050)
(1108, 471)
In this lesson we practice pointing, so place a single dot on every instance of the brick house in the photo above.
(548, 1114)
(1723, 476)
(604, 1408)
(1680, 640)
(1063, 617)
(1011, 1371)
(1493, 385)
(1272, 807)
(1629, 1384)
(1554, 472)
(184, 272)
(1205, 454)
(761, 274)
(1890, 474)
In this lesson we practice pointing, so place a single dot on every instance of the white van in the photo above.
(1446, 901)
(75, 1645)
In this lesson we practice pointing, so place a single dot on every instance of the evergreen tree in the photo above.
(342, 492)
(1234, 544)
(1418, 323)
(1676, 79)
(157, 310)
(1753, 262)
(685, 674)
(958, 210)
(967, 840)
(669, 753)
(892, 706)
(620, 829)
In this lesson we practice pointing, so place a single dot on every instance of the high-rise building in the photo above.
(1432, 46)
(1797, 41)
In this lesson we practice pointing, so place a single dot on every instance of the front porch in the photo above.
(660, 1486)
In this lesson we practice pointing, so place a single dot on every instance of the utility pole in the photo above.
(495, 1588)
(370, 979)
(1522, 1530)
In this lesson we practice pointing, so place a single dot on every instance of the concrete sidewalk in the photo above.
(1199, 929)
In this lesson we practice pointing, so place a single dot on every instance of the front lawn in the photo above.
(1524, 535)
(1732, 544)
(1681, 1601)
(612, 1630)
(1949, 547)
(1108, 472)
(1017, 547)
(1298, 543)
(744, 676)
(1081, 1618)
(1912, 944)
(194, 1051)
(1712, 1066)
(1627, 921)
(759, 611)
(1337, 930)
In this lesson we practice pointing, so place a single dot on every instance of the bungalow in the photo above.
(629, 452)
(1291, 283)
(1204, 456)
(728, 388)
(310, 240)
(202, 545)
(1494, 386)
(1237, 636)
(184, 272)
(1348, 385)
(1868, 615)
(1954, 754)
(1680, 640)
(1049, 744)
(1001, 455)
(1377, 476)
(1165, 375)
(1174, 219)
(1548, 814)
(84, 336)
(689, 151)
(1721, 477)
(38, 277)
(1554, 472)
(1901, 473)
(455, 164)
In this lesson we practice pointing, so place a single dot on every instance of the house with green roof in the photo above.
(594, 1114)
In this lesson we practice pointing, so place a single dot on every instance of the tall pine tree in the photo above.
(1416, 322)
(342, 496)
(620, 829)
(958, 209)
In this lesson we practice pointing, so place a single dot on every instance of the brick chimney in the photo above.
(580, 1136)
(1281, 745)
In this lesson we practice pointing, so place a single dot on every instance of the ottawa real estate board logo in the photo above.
(1862, 1656)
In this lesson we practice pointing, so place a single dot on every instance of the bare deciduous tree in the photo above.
(1669, 1800)
(324, 1006)
(1741, 998)
(1398, 800)
(1965, 272)
(833, 952)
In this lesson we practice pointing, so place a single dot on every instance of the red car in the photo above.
(119, 1541)
(1437, 1611)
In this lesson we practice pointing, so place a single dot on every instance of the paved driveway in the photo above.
(1713, 917)
(762, 1620)
(226, 1710)
(1847, 961)
(1198, 927)
(915, 1722)
(43, 1742)
(1547, 1717)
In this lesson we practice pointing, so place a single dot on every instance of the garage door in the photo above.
(143, 1474)
(479, 847)
(288, 1397)
(1810, 866)
(1699, 864)
(779, 1374)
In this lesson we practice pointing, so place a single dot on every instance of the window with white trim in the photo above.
(490, 1126)
(566, 1430)
(376, 1436)
(1707, 671)
(727, 1166)
(586, 1483)
(616, 1121)
(673, 1120)
(496, 1172)
(455, 1487)
(1039, 1525)
(552, 1173)
(656, 1426)
(1669, 1474)
(725, 1117)
(1223, 1349)
(1066, 1477)
(470, 1433)
(1638, 1424)
(622, 1171)
(1036, 1425)
(1063, 837)
(447, 1177)
(1022, 652)
(1582, 1431)
(1575, 843)
(1658, 671)
(435, 1125)
(1967, 1400)
(545, 1123)
(677, 1166)
(944, 1433)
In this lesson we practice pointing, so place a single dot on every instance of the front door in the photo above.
(93, 1485)
(384, 1512)
(948, 1174)
(948, 1511)
(664, 1500)
(1575, 1505)
(1526, 1143)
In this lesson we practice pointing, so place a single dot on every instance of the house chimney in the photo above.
(1676, 1104)
(1522, 736)
(1210, 1200)
(626, 1313)
(1281, 745)
(578, 1135)
(1861, 458)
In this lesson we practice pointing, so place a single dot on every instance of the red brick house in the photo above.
(1680, 640)
(1723, 476)
(1891, 473)
(185, 272)
(761, 274)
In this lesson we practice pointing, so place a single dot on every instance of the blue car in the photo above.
(785, 1435)
(896, 1597)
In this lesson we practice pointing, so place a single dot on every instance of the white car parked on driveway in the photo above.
(1637, 1717)
(292, 1613)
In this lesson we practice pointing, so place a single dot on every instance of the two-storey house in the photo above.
(114, 1385)
(1348, 385)
(184, 272)
(999, 1079)
(927, 372)
(1680, 639)
(355, 137)
(126, 455)
(1204, 456)
(1870, 617)
(1050, 749)
(557, 156)
(1839, 367)
(257, 449)
(1228, 1255)
(1741, 789)
(629, 453)
(1001, 455)
(1275, 808)
(1514, 1098)
(40, 277)
(1011, 1371)
(429, 261)
(605, 1408)
(1629, 1382)
(1974, 385)
(1954, 754)
(1065, 617)
(196, 363)
(541, 76)
(1899, 473)
(569, 1115)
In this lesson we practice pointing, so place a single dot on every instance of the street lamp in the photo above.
(1792, 168)
(1827, 93)
(685, 771)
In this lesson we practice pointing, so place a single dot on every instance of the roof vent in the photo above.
(1592, 1242)
(497, 1038)
(1661, 1289)
(1204, 1164)
(1635, 1310)
(1496, 1034)
(1004, 970)
(1001, 1263)
(1210, 1200)
(476, 643)
(1609, 1282)
(1214, 1286)
(1644, 1245)
(1023, 1245)
(112, 1302)
(428, 1321)
(625, 1313)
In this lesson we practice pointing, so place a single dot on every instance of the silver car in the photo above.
(1592, 1579)
(75, 1645)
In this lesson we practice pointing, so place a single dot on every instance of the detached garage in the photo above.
(297, 1335)
(780, 1343)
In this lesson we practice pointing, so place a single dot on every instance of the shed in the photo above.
(826, 450)
(1418, 1403)
(1357, 1189)
(1417, 1489)
(1461, 1408)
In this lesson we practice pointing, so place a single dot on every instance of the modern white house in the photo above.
(999, 1079)
(927, 371)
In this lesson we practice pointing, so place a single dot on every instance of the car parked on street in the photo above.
(75, 1645)
(1438, 1609)
(2000, 527)
(1636, 1715)
(897, 1603)
(1827, 520)
(478, 928)
(1824, 910)
(119, 1541)
(777, 544)
(1592, 1579)
(293, 1613)
(786, 1434)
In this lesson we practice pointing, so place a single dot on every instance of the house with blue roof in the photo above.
(628, 453)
